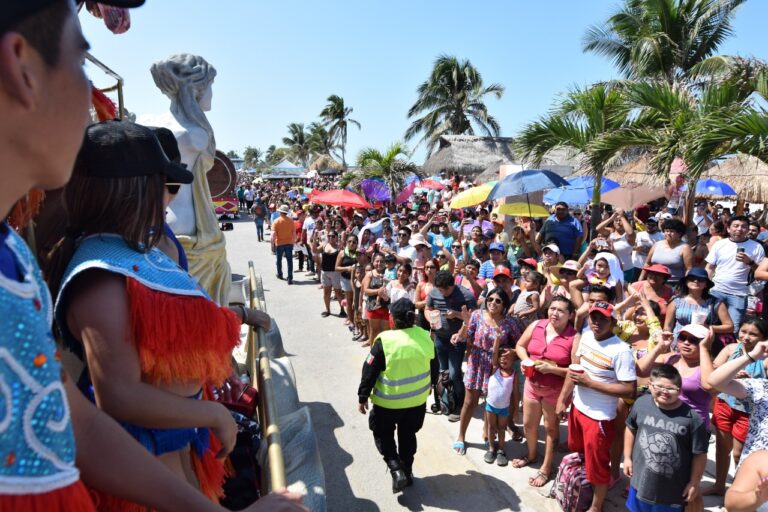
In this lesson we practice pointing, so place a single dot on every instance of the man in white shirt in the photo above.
(308, 228)
(607, 373)
(729, 263)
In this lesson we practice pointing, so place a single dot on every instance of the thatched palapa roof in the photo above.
(747, 175)
(323, 162)
(469, 155)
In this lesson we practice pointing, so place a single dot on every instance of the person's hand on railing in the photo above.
(280, 500)
(254, 317)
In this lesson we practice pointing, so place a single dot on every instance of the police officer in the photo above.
(398, 376)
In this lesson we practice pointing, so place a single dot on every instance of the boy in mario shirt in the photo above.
(605, 373)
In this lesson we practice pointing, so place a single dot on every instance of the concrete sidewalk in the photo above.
(327, 364)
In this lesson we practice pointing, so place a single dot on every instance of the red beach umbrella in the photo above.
(340, 197)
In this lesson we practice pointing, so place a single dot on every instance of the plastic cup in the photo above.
(699, 318)
(576, 368)
(529, 368)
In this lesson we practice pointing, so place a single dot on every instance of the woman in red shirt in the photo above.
(550, 344)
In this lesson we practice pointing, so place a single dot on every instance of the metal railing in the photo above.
(257, 359)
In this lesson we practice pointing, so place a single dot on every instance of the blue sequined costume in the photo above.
(37, 445)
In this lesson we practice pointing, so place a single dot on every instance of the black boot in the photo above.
(399, 480)
(408, 470)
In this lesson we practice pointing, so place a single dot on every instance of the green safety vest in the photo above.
(406, 380)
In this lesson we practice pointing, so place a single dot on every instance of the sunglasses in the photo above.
(172, 188)
(567, 272)
(688, 339)
(333, 236)
(441, 256)
(494, 300)
(430, 267)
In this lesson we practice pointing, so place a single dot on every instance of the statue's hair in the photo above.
(184, 78)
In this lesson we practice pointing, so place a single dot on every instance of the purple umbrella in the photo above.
(375, 190)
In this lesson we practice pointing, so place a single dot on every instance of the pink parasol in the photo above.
(405, 194)
(431, 184)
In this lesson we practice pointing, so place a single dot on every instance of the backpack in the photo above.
(445, 399)
(571, 488)
(258, 210)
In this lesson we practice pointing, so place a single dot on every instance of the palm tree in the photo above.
(663, 39)
(298, 143)
(252, 157)
(450, 101)
(320, 140)
(336, 118)
(392, 166)
(584, 116)
(684, 121)
(275, 154)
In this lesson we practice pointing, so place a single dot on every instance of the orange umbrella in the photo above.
(430, 184)
(631, 195)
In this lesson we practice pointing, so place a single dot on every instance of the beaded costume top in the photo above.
(179, 332)
(37, 444)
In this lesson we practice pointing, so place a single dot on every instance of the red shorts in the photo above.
(378, 314)
(730, 420)
(593, 438)
(535, 393)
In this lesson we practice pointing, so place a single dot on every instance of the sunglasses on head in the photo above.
(172, 188)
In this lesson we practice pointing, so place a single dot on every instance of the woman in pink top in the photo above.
(550, 344)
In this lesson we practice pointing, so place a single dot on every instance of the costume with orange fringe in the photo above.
(180, 336)
(37, 443)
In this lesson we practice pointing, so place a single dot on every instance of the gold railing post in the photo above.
(258, 364)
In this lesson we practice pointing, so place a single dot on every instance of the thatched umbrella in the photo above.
(468, 155)
(637, 171)
(747, 175)
(323, 162)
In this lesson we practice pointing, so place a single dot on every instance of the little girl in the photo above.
(730, 415)
(605, 271)
(528, 302)
(497, 405)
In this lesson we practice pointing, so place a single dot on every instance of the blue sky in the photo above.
(277, 62)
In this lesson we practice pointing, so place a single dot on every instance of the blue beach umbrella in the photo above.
(525, 182)
(579, 190)
(712, 187)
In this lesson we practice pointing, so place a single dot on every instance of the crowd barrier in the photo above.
(292, 458)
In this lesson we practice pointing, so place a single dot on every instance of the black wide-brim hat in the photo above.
(15, 11)
(120, 149)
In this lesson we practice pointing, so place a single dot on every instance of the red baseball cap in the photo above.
(527, 261)
(501, 270)
(658, 268)
(605, 308)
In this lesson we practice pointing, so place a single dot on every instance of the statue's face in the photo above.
(206, 99)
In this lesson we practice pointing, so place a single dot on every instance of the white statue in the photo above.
(187, 80)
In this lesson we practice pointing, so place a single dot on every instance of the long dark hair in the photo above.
(129, 207)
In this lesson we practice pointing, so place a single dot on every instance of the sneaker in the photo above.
(453, 418)
(501, 458)
(490, 456)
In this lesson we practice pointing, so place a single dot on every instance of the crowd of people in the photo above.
(647, 337)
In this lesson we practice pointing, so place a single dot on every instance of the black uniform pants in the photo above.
(383, 421)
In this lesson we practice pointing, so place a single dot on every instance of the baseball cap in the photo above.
(120, 149)
(652, 219)
(168, 142)
(496, 246)
(15, 11)
(605, 308)
(552, 247)
(489, 233)
(527, 261)
(658, 268)
(501, 270)
(696, 330)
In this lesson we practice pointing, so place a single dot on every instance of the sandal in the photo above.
(538, 480)
(501, 458)
(325, 314)
(521, 463)
(460, 448)
(490, 456)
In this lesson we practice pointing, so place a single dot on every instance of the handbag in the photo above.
(238, 396)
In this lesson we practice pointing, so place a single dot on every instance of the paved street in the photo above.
(327, 364)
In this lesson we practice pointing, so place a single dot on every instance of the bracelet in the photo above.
(750, 357)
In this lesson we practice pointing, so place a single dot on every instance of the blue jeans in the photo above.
(450, 358)
(260, 228)
(737, 307)
(287, 251)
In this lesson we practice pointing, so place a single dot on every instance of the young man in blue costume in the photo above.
(44, 102)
